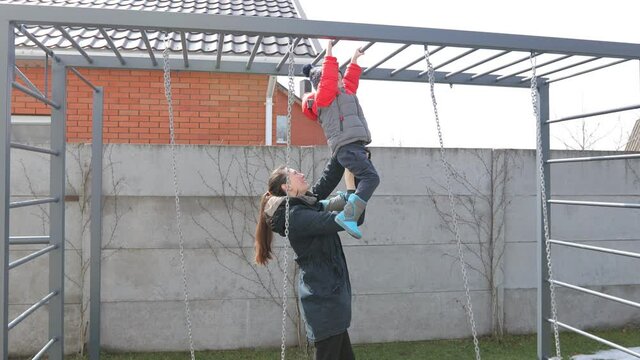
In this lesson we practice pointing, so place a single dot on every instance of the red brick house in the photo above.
(209, 107)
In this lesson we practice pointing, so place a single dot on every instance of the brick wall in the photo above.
(209, 108)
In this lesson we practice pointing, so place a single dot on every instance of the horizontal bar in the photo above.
(455, 58)
(24, 203)
(596, 293)
(254, 51)
(324, 51)
(84, 79)
(386, 58)
(538, 66)
(286, 56)
(595, 248)
(595, 203)
(363, 49)
(273, 26)
(565, 67)
(495, 56)
(74, 43)
(34, 94)
(30, 310)
(595, 158)
(596, 338)
(44, 349)
(42, 47)
(420, 58)
(113, 46)
(185, 48)
(588, 71)
(28, 82)
(588, 115)
(29, 240)
(503, 66)
(32, 256)
(147, 44)
(33, 148)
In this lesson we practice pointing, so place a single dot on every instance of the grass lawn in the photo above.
(509, 348)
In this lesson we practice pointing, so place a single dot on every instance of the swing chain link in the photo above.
(291, 70)
(545, 218)
(167, 93)
(454, 215)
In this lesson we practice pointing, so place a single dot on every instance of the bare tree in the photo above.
(230, 229)
(482, 212)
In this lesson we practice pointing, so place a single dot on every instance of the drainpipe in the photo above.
(268, 121)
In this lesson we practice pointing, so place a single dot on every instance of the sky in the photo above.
(400, 114)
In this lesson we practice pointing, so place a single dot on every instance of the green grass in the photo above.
(508, 348)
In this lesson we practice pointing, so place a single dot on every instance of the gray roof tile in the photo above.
(128, 40)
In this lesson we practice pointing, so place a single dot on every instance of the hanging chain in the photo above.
(454, 215)
(167, 93)
(545, 219)
(291, 54)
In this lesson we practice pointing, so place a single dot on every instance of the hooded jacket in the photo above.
(324, 287)
(338, 110)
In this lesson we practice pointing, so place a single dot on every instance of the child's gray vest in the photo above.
(343, 122)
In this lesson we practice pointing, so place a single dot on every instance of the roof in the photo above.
(633, 144)
(131, 40)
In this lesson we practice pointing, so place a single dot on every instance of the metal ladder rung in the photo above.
(33, 308)
(594, 158)
(17, 204)
(596, 248)
(34, 149)
(35, 95)
(29, 240)
(44, 349)
(595, 203)
(32, 256)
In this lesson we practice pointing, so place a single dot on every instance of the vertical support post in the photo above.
(545, 333)
(96, 225)
(56, 210)
(6, 77)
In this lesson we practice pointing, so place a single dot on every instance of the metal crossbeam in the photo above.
(31, 309)
(455, 58)
(596, 113)
(147, 44)
(595, 248)
(596, 293)
(33, 148)
(596, 338)
(29, 240)
(271, 26)
(28, 82)
(32, 256)
(522, 59)
(595, 158)
(566, 67)
(84, 79)
(17, 204)
(254, 51)
(595, 203)
(386, 58)
(113, 46)
(588, 71)
(44, 349)
(39, 44)
(34, 95)
(219, 50)
(420, 58)
(74, 43)
(284, 58)
(185, 49)
(538, 66)
(495, 56)
(363, 49)
(323, 52)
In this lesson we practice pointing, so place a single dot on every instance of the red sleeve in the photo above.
(328, 86)
(310, 112)
(352, 78)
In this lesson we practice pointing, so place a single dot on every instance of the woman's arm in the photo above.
(331, 176)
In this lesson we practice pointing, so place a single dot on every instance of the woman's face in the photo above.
(298, 183)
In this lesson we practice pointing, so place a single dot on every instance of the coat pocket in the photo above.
(323, 279)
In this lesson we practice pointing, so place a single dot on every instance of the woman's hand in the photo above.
(356, 55)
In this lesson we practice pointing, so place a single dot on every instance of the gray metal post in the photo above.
(96, 225)
(6, 77)
(545, 333)
(56, 210)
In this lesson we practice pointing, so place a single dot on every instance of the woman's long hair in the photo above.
(264, 236)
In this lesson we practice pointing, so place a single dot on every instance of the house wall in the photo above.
(209, 108)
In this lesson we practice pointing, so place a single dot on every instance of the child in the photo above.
(335, 105)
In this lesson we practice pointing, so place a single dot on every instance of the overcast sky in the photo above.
(400, 114)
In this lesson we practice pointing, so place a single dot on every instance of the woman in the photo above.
(324, 288)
